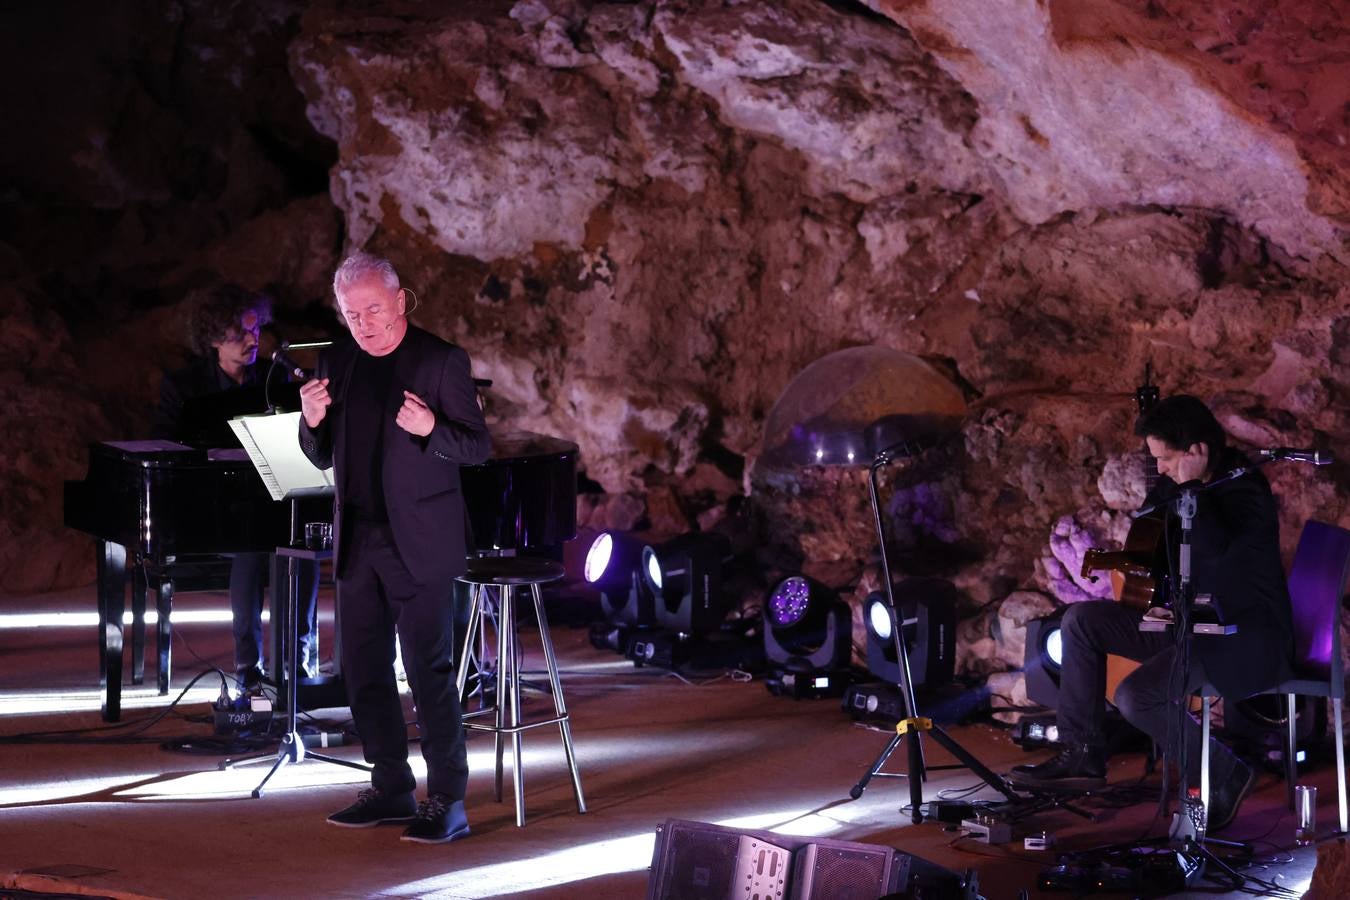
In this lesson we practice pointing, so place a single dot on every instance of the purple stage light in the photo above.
(597, 558)
(788, 603)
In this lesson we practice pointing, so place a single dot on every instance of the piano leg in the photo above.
(138, 590)
(164, 631)
(111, 562)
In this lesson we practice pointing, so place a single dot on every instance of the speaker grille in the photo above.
(701, 865)
(837, 873)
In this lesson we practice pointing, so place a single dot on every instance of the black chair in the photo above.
(1317, 584)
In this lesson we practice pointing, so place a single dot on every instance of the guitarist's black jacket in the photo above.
(1235, 557)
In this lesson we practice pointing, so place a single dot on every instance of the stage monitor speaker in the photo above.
(700, 861)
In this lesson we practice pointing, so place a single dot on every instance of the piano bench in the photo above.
(495, 585)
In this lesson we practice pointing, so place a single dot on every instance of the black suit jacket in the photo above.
(420, 474)
(1235, 551)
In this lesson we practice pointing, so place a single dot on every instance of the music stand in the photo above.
(273, 446)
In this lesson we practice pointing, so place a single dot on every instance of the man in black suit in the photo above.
(1235, 552)
(395, 412)
(223, 379)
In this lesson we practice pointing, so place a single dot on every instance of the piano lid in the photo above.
(525, 495)
(154, 452)
(522, 446)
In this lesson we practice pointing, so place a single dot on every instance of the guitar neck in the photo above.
(1150, 473)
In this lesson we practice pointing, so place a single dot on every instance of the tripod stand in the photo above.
(292, 749)
(913, 725)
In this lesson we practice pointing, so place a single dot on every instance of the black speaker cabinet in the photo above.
(699, 861)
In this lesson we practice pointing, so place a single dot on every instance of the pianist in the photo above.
(395, 412)
(224, 327)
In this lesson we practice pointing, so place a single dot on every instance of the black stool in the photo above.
(508, 575)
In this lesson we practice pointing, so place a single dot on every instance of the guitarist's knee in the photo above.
(1083, 623)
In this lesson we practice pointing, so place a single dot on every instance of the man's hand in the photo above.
(1193, 465)
(314, 400)
(414, 416)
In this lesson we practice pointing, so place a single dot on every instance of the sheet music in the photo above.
(273, 445)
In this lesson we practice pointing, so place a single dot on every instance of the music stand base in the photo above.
(293, 752)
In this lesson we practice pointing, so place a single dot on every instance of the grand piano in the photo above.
(163, 512)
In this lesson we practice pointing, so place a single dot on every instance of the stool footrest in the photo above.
(514, 729)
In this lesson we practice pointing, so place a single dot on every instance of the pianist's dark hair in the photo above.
(219, 309)
(1180, 421)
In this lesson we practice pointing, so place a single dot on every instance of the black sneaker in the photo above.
(373, 807)
(1226, 795)
(1078, 767)
(439, 821)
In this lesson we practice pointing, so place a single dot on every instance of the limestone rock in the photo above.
(995, 640)
(1073, 115)
(644, 219)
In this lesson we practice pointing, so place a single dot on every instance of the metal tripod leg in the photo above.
(911, 728)
(292, 749)
(857, 790)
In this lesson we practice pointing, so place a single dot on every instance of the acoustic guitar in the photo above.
(1131, 568)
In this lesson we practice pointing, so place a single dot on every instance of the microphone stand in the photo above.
(1187, 832)
(279, 358)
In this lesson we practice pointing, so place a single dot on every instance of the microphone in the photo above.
(280, 358)
(1316, 457)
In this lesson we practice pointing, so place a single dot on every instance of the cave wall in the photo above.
(642, 219)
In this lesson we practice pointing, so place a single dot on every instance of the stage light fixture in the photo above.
(1043, 658)
(928, 629)
(651, 565)
(879, 619)
(790, 600)
(599, 556)
(807, 639)
(685, 575)
(1053, 647)
(612, 568)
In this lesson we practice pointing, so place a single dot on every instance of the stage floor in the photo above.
(89, 815)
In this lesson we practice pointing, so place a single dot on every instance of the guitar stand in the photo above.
(292, 749)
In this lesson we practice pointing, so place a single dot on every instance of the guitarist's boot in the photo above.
(1078, 767)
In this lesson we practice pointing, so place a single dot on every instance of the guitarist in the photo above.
(1235, 559)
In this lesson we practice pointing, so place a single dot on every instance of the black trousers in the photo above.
(249, 575)
(378, 600)
(1148, 698)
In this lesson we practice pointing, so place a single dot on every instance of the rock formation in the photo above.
(643, 219)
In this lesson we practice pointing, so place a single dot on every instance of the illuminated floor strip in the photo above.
(38, 702)
(16, 621)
